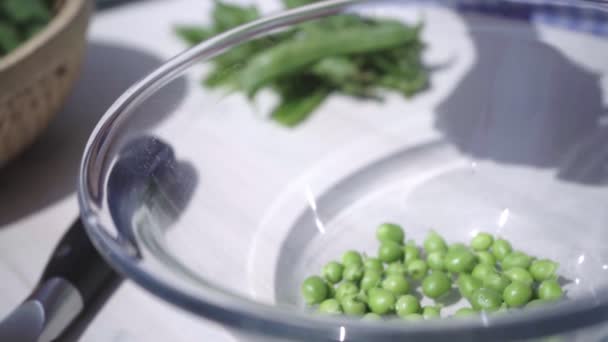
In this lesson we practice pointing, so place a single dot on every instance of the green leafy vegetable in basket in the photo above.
(305, 64)
(20, 20)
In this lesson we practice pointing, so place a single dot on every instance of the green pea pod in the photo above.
(238, 54)
(359, 90)
(297, 3)
(407, 87)
(328, 24)
(347, 76)
(193, 34)
(337, 70)
(293, 111)
(220, 77)
(294, 55)
(244, 52)
(384, 63)
(227, 16)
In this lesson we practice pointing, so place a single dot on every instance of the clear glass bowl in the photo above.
(223, 212)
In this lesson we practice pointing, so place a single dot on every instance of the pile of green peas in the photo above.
(488, 273)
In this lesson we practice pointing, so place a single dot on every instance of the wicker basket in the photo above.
(36, 77)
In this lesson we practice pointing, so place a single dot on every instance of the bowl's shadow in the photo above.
(47, 171)
(525, 103)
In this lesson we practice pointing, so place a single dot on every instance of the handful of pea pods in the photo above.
(346, 54)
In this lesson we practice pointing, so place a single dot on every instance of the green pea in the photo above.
(396, 268)
(371, 278)
(516, 259)
(373, 264)
(390, 251)
(362, 296)
(435, 260)
(486, 258)
(436, 284)
(332, 272)
(353, 273)
(331, 291)
(496, 282)
(346, 289)
(431, 312)
(486, 299)
(501, 248)
(543, 269)
(482, 241)
(381, 301)
(371, 316)
(550, 290)
(413, 317)
(352, 258)
(417, 269)
(459, 260)
(330, 307)
(434, 243)
(354, 307)
(467, 284)
(363, 285)
(390, 232)
(481, 271)
(410, 254)
(396, 284)
(314, 290)
(517, 294)
(465, 312)
(520, 275)
(406, 305)
(458, 247)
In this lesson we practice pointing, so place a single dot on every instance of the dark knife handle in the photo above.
(74, 286)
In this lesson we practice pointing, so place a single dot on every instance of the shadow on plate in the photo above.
(524, 102)
(48, 171)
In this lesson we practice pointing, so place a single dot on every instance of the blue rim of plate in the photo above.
(551, 13)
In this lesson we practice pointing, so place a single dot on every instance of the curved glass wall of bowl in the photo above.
(510, 138)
